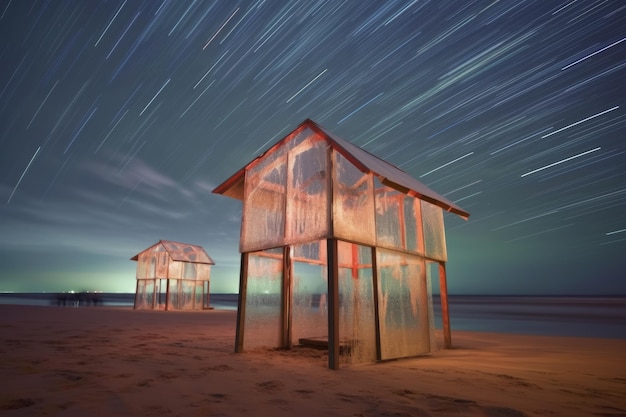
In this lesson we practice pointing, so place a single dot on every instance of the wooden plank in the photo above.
(241, 303)
(321, 342)
(376, 311)
(333, 305)
(287, 300)
(445, 315)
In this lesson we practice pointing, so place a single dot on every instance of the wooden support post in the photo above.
(333, 304)
(208, 294)
(376, 308)
(155, 291)
(241, 303)
(445, 315)
(136, 295)
(286, 298)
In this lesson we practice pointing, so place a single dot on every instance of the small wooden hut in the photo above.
(173, 276)
(337, 249)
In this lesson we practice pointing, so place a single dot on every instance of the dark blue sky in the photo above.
(118, 118)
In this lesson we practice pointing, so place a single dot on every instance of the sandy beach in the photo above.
(119, 362)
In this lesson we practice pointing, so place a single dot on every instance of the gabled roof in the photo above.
(386, 173)
(182, 252)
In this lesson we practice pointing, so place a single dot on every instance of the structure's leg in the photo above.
(241, 303)
(155, 293)
(445, 315)
(376, 308)
(167, 295)
(208, 294)
(287, 303)
(136, 295)
(333, 304)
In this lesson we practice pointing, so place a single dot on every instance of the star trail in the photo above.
(119, 117)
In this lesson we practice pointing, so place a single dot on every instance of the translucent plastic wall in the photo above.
(432, 272)
(353, 202)
(298, 170)
(390, 231)
(398, 220)
(153, 263)
(200, 295)
(357, 332)
(203, 272)
(307, 189)
(144, 297)
(404, 305)
(309, 308)
(173, 295)
(263, 299)
(434, 232)
(263, 223)
(187, 294)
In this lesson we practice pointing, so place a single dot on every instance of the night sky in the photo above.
(118, 118)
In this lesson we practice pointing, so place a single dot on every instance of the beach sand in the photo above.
(119, 362)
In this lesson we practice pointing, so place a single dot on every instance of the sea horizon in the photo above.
(599, 316)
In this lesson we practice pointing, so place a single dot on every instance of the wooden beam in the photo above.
(286, 300)
(401, 213)
(445, 315)
(154, 294)
(241, 303)
(333, 305)
(207, 295)
(136, 295)
(376, 312)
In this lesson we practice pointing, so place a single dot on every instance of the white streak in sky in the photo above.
(197, 98)
(5, 9)
(580, 121)
(123, 34)
(107, 28)
(235, 27)
(79, 130)
(516, 142)
(220, 29)
(210, 69)
(23, 173)
(308, 84)
(590, 55)
(468, 196)
(41, 105)
(182, 17)
(461, 188)
(587, 200)
(111, 131)
(616, 231)
(446, 164)
(360, 107)
(155, 96)
(563, 7)
(395, 16)
(525, 220)
(561, 161)
(540, 233)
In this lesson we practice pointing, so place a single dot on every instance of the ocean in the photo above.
(578, 316)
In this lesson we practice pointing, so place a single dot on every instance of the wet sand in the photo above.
(104, 361)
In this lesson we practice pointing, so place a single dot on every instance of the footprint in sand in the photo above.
(270, 386)
(502, 412)
(17, 403)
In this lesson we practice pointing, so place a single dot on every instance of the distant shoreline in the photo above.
(574, 316)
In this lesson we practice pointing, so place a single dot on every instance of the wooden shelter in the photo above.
(173, 276)
(337, 249)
